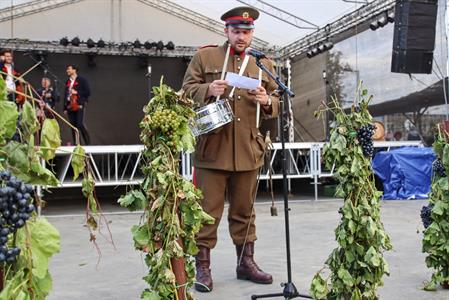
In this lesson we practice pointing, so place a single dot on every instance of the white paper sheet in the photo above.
(242, 82)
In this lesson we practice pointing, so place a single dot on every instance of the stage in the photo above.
(76, 275)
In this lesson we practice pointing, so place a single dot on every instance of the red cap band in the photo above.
(236, 19)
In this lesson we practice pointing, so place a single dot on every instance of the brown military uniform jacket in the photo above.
(237, 146)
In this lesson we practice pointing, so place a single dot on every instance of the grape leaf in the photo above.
(50, 138)
(3, 93)
(10, 290)
(8, 120)
(17, 156)
(141, 235)
(445, 160)
(319, 288)
(187, 142)
(44, 242)
(30, 124)
(133, 200)
(24, 163)
(150, 295)
(78, 161)
(42, 286)
(88, 186)
(344, 275)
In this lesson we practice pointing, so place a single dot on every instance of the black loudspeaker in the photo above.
(414, 36)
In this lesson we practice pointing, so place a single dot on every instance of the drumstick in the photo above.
(225, 66)
(258, 103)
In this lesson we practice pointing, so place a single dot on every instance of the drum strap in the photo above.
(242, 69)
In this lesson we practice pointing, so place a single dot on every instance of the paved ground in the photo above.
(118, 275)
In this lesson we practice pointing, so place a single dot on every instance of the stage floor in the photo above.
(118, 275)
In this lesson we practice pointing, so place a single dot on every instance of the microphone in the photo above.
(256, 53)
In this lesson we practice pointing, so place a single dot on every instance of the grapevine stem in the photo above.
(18, 287)
(28, 71)
(30, 257)
(174, 285)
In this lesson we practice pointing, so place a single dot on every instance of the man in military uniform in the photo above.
(227, 160)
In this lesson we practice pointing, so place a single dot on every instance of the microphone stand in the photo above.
(46, 68)
(289, 291)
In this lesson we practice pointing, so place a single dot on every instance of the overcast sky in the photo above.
(276, 32)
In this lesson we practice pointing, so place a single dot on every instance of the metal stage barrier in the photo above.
(119, 165)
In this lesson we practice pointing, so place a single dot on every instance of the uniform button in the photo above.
(238, 119)
(238, 67)
(238, 97)
(238, 58)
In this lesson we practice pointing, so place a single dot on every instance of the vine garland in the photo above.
(357, 265)
(436, 236)
(172, 214)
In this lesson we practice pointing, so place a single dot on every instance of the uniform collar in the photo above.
(232, 51)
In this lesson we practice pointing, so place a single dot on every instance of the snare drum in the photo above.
(211, 117)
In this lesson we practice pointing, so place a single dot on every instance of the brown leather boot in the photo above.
(248, 269)
(203, 272)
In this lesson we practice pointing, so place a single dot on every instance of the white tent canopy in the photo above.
(127, 20)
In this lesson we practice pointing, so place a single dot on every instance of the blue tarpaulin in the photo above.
(405, 172)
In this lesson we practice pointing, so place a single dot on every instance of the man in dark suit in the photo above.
(76, 95)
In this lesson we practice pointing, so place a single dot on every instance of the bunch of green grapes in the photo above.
(167, 121)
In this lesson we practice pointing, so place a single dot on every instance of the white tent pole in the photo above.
(446, 22)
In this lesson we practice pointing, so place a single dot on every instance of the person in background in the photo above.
(10, 75)
(389, 136)
(48, 95)
(2, 57)
(397, 136)
(413, 134)
(76, 95)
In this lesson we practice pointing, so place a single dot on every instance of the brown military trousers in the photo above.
(238, 188)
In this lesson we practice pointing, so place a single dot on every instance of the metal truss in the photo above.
(112, 165)
(195, 18)
(32, 7)
(280, 14)
(345, 23)
(110, 49)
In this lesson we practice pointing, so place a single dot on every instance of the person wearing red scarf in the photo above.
(76, 95)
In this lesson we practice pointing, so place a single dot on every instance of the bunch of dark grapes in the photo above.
(438, 168)
(426, 212)
(365, 137)
(167, 121)
(15, 210)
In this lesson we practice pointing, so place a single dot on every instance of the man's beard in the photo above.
(238, 50)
